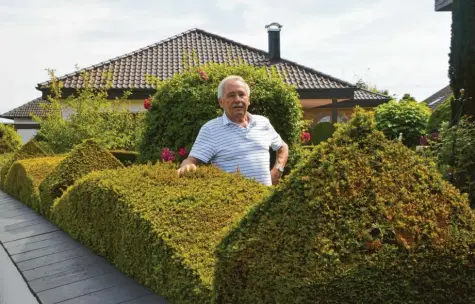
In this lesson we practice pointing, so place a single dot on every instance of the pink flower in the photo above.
(147, 103)
(182, 152)
(203, 74)
(423, 141)
(167, 155)
(305, 137)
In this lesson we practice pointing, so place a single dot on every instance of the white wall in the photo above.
(26, 134)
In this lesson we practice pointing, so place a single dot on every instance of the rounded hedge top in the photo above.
(362, 220)
(188, 100)
(161, 229)
(10, 140)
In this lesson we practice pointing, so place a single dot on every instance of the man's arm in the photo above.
(188, 165)
(281, 160)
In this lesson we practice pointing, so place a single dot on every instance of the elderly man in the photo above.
(238, 140)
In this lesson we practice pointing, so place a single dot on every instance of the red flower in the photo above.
(167, 155)
(203, 74)
(147, 103)
(182, 152)
(305, 137)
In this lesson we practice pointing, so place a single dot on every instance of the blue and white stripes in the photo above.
(232, 147)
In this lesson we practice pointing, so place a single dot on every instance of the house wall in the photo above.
(26, 128)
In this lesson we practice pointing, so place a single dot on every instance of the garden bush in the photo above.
(321, 132)
(25, 176)
(10, 141)
(407, 117)
(4, 158)
(363, 220)
(127, 158)
(188, 100)
(85, 158)
(93, 115)
(29, 150)
(160, 229)
(441, 114)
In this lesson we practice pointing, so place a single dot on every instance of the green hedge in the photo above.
(29, 150)
(441, 114)
(4, 158)
(160, 229)
(84, 158)
(10, 141)
(25, 176)
(321, 132)
(127, 158)
(363, 220)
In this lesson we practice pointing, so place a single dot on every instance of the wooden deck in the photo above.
(56, 268)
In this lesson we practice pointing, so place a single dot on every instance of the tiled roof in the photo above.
(25, 110)
(163, 59)
(436, 99)
(362, 94)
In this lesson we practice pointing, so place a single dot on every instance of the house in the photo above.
(437, 98)
(322, 96)
(443, 5)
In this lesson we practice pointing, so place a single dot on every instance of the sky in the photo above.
(401, 46)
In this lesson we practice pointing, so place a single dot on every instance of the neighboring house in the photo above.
(443, 5)
(437, 98)
(322, 96)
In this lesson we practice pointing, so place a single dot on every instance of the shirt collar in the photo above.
(227, 121)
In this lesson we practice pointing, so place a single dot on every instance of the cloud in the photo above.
(397, 45)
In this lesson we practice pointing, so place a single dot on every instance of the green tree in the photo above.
(462, 59)
(407, 117)
(407, 97)
(371, 87)
(93, 115)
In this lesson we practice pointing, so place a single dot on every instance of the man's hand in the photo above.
(275, 176)
(188, 165)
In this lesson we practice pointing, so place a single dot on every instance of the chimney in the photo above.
(273, 30)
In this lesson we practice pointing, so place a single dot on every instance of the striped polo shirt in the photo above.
(232, 147)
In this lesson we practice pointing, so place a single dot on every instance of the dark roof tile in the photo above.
(437, 98)
(25, 110)
(165, 58)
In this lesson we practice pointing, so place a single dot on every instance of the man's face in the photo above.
(235, 100)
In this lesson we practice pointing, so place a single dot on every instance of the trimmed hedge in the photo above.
(84, 158)
(10, 140)
(29, 150)
(321, 132)
(4, 158)
(127, 158)
(26, 175)
(161, 230)
(363, 220)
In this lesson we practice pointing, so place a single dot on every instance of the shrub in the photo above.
(85, 158)
(363, 220)
(160, 229)
(93, 115)
(406, 117)
(10, 141)
(26, 175)
(4, 158)
(29, 150)
(322, 132)
(455, 152)
(188, 100)
(127, 158)
(441, 114)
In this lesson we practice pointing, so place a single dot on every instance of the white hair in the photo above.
(235, 78)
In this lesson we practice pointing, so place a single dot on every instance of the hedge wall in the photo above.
(84, 158)
(25, 176)
(29, 150)
(10, 141)
(363, 220)
(158, 228)
(4, 158)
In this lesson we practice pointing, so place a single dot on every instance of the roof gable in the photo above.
(165, 58)
(25, 110)
(439, 97)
